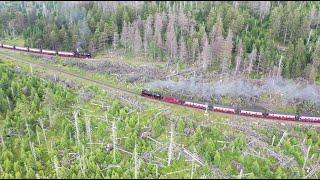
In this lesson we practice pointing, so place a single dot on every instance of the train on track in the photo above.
(230, 110)
(75, 54)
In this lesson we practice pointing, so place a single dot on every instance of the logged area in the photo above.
(160, 89)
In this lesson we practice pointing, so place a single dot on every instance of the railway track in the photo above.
(131, 93)
(65, 72)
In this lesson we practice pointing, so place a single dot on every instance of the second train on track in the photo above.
(75, 54)
(230, 110)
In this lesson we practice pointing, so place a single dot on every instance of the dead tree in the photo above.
(31, 71)
(136, 166)
(305, 151)
(32, 150)
(314, 170)
(114, 141)
(75, 115)
(43, 132)
(28, 130)
(56, 166)
(170, 149)
(282, 138)
(88, 131)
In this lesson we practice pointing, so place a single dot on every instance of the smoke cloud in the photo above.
(289, 90)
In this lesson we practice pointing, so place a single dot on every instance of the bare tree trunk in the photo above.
(282, 138)
(75, 115)
(82, 162)
(114, 136)
(310, 33)
(56, 166)
(170, 149)
(50, 118)
(38, 137)
(44, 133)
(306, 157)
(9, 103)
(192, 169)
(32, 150)
(247, 28)
(250, 66)
(285, 36)
(259, 61)
(279, 67)
(31, 70)
(88, 130)
(156, 170)
(2, 140)
(13, 95)
(273, 138)
(136, 166)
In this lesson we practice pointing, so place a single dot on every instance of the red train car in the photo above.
(281, 117)
(7, 46)
(22, 48)
(251, 113)
(224, 109)
(65, 54)
(309, 119)
(170, 99)
(196, 105)
(49, 52)
(35, 50)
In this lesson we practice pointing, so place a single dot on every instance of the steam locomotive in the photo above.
(230, 110)
(76, 54)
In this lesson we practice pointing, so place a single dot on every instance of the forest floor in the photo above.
(261, 143)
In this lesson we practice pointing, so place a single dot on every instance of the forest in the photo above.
(51, 130)
(255, 38)
(55, 126)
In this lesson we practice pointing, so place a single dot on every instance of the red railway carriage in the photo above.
(281, 116)
(195, 105)
(251, 113)
(49, 52)
(224, 109)
(231, 110)
(65, 54)
(170, 99)
(21, 48)
(310, 119)
(35, 50)
(8, 46)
